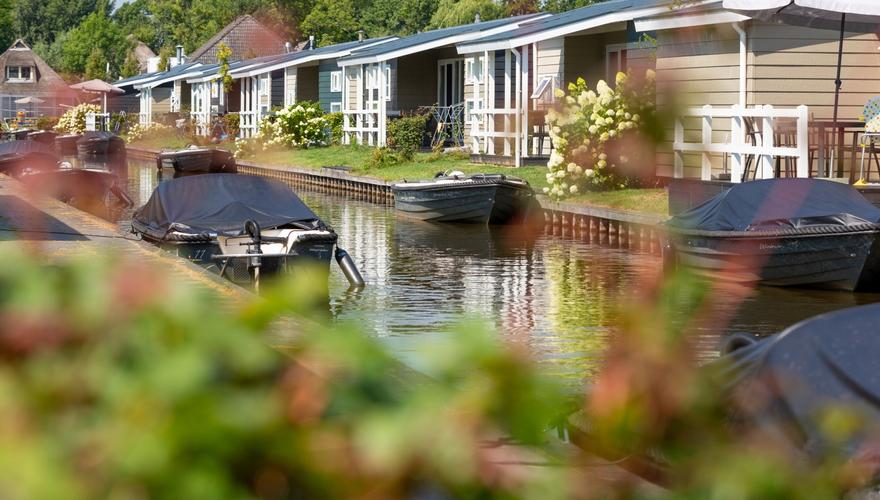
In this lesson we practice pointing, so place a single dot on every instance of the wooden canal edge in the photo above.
(599, 225)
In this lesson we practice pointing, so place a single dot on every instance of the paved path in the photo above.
(56, 230)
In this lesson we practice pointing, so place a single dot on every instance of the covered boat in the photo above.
(786, 385)
(197, 159)
(784, 232)
(46, 137)
(234, 224)
(18, 156)
(479, 198)
(66, 144)
(99, 143)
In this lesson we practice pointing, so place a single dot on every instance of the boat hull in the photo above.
(206, 254)
(842, 260)
(488, 203)
(98, 147)
(198, 161)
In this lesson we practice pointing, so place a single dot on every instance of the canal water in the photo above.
(557, 296)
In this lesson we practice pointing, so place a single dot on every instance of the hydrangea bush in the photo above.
(138, 131)
(74, 120)
(593, 133)
(300, 125)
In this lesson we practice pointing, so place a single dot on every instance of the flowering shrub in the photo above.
(299, 125)
(74, 120)
(138, 131)
(245, 148)
(595, 134)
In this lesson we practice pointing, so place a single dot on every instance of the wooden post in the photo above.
(706, 171)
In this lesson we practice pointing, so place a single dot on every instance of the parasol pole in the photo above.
(838, 83)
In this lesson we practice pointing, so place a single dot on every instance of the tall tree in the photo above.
(96, 65)
(96, 31)
(521, 7)
(41, 20)
(332, 21)
(397, 17)
(7, 28)
(458, 12)
(564, 5)
(130, 67)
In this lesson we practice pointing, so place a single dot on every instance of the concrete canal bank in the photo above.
(617, 228)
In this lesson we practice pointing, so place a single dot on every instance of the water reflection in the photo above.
(557, 296)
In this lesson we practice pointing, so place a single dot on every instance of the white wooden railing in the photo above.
(740, 147)
(363, 126)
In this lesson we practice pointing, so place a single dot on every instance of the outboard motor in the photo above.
(255, 262)
(349, 269)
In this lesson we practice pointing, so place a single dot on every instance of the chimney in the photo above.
(179, 53)
(311, 42)
(286, 47)
(477, 18)
(360, 35)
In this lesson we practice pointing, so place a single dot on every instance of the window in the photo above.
(544, 89)
(387, 83)
(18, 73)
(471, 105)
(336, 81)
(335, 107)
(474, 70)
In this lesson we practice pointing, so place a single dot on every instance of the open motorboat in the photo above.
(195, 159)
(16, 156)
(479, 198)
(784, 232)
(75, 185)
(66, 144)
(240, 226)
(99, 143)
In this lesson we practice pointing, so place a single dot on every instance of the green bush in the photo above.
(46, 122)
(73, 121)
(231, 121)
(384, 157)
(406, 134)
(334, 127)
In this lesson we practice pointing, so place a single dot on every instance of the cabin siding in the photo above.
(325, 95)
(584, 56)
(417, 81)
(290, 86)
(161, 101)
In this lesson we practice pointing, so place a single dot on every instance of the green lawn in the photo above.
(425, 165)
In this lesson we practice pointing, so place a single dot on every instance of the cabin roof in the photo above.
(46, 81)
(310, 55)
(567, 23)
(243, 35)
(432, 39)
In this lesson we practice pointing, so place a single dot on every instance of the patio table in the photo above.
(838, 138)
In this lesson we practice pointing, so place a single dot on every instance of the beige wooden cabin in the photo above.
(779, 76)
(412, 74)
(512, 77)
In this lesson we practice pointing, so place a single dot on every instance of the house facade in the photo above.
(418, 72)
(25, 75)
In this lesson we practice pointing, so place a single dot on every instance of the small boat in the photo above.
(789, 381)
(479, 198)
(75, 184)
(99, 143)
(782, 232)
(198, 159)
(242, 227)
(66, 144)
(46, 137)
(17, 156)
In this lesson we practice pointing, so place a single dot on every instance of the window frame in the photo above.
(336, 81)
(18, 72)
(335, 107)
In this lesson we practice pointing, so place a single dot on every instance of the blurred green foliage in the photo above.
(119, 381)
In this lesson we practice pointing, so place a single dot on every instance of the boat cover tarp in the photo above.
(791, 380)
(21, 148)
(221, 203)
(776, 203)
(98, 135)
